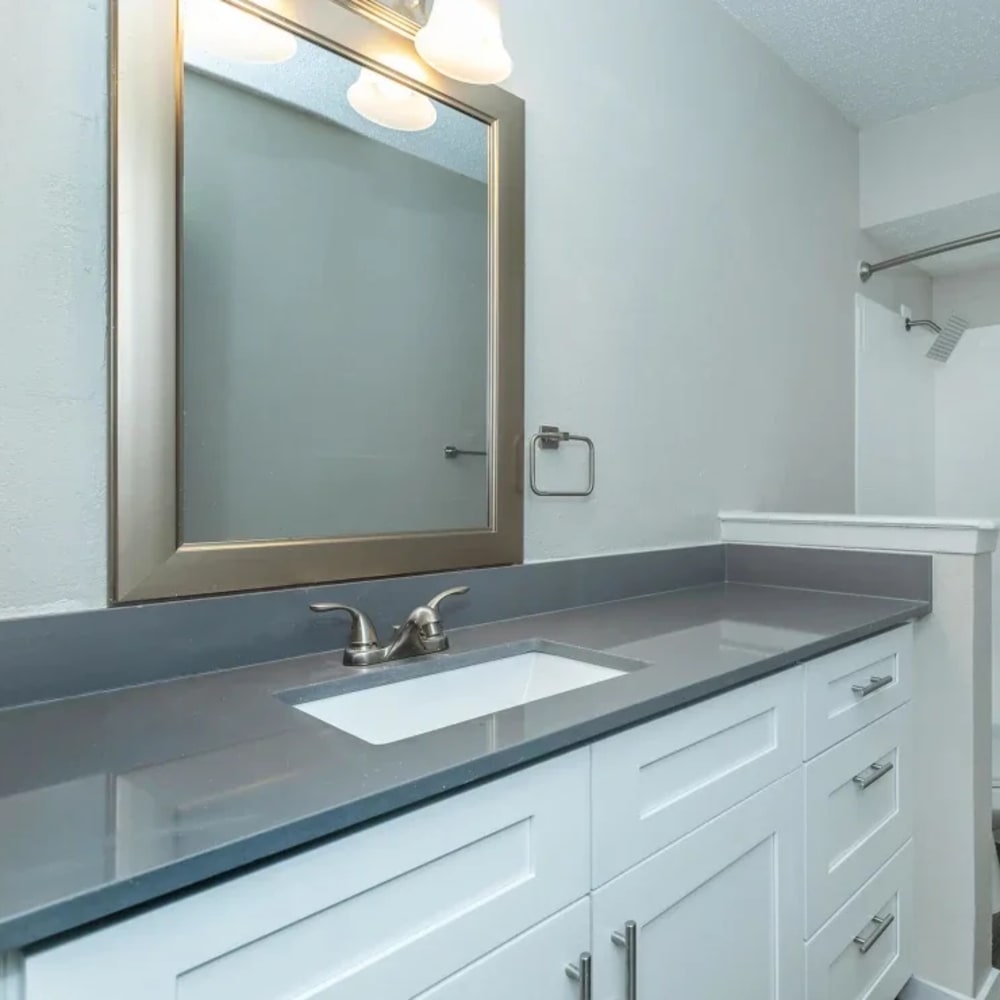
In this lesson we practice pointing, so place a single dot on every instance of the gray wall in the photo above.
(335, 328)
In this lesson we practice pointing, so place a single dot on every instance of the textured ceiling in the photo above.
(880, 59)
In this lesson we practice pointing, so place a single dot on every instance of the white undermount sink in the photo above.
(399, 710)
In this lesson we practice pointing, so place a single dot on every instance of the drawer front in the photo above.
(386, 912)
(859, 812)
(851, 688)
(865, 951)
(656, 782)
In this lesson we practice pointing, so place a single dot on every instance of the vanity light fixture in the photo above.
(230, 33)
(389, 103)
(463, 39)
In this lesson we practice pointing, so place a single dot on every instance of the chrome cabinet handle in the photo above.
(882, 924)
(583, 974)
(630, 942)
(871, 774)
(863, 690)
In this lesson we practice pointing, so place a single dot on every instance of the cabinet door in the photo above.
(531, 967)
(718, 914)
(382, 914)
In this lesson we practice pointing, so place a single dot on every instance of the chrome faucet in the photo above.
(420, 635)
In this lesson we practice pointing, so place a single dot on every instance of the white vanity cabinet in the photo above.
(699, 855)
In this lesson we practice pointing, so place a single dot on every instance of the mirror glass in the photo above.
(335, 294)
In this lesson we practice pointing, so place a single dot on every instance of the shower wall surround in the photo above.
(616, 342)
(974, 295)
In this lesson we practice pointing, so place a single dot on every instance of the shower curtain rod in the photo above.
(867, 270)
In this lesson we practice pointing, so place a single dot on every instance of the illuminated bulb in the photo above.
(463, 40)
(230, 33)
(391, 104)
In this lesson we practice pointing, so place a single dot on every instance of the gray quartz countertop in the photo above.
(113, 800)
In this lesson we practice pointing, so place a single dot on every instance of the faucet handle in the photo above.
(435, 602)
(363, 634)
(427, 618)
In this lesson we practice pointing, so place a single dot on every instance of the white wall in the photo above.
(894, 420)
(974, 296)
(927, 433)
(931, 160)
(53, 275)
(967, 422)
(692, 248)
(692, 254)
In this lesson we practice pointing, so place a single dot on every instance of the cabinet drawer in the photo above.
(656, 782)
(865, 951)
(848, 689)
(386, 912)
(859, 812)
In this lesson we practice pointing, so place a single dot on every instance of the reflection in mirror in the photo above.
(336, 294)
(415, 11)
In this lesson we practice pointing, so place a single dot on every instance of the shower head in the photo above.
(928, 324)
(947, 340)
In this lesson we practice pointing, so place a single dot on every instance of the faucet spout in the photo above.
(422, 634)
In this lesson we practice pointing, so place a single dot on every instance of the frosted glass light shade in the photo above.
(230, 33)
(391, 104)
(463, 39)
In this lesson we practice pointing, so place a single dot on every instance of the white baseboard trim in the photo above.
(991, 988)
(919, 989)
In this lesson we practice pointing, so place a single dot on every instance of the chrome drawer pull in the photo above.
(583, 974)
(870, 775)
(863, 690)
(630, 942)
(882, 924)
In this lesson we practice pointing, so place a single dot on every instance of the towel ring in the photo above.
(549, 438)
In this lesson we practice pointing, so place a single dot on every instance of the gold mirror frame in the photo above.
(149, 560)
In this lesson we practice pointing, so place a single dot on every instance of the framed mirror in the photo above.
(318, 301)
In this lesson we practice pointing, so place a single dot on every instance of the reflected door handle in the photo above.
(630, 942)
(583, 974)
(450, 451)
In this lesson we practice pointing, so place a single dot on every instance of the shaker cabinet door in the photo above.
(387, 912)
(717, 914)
